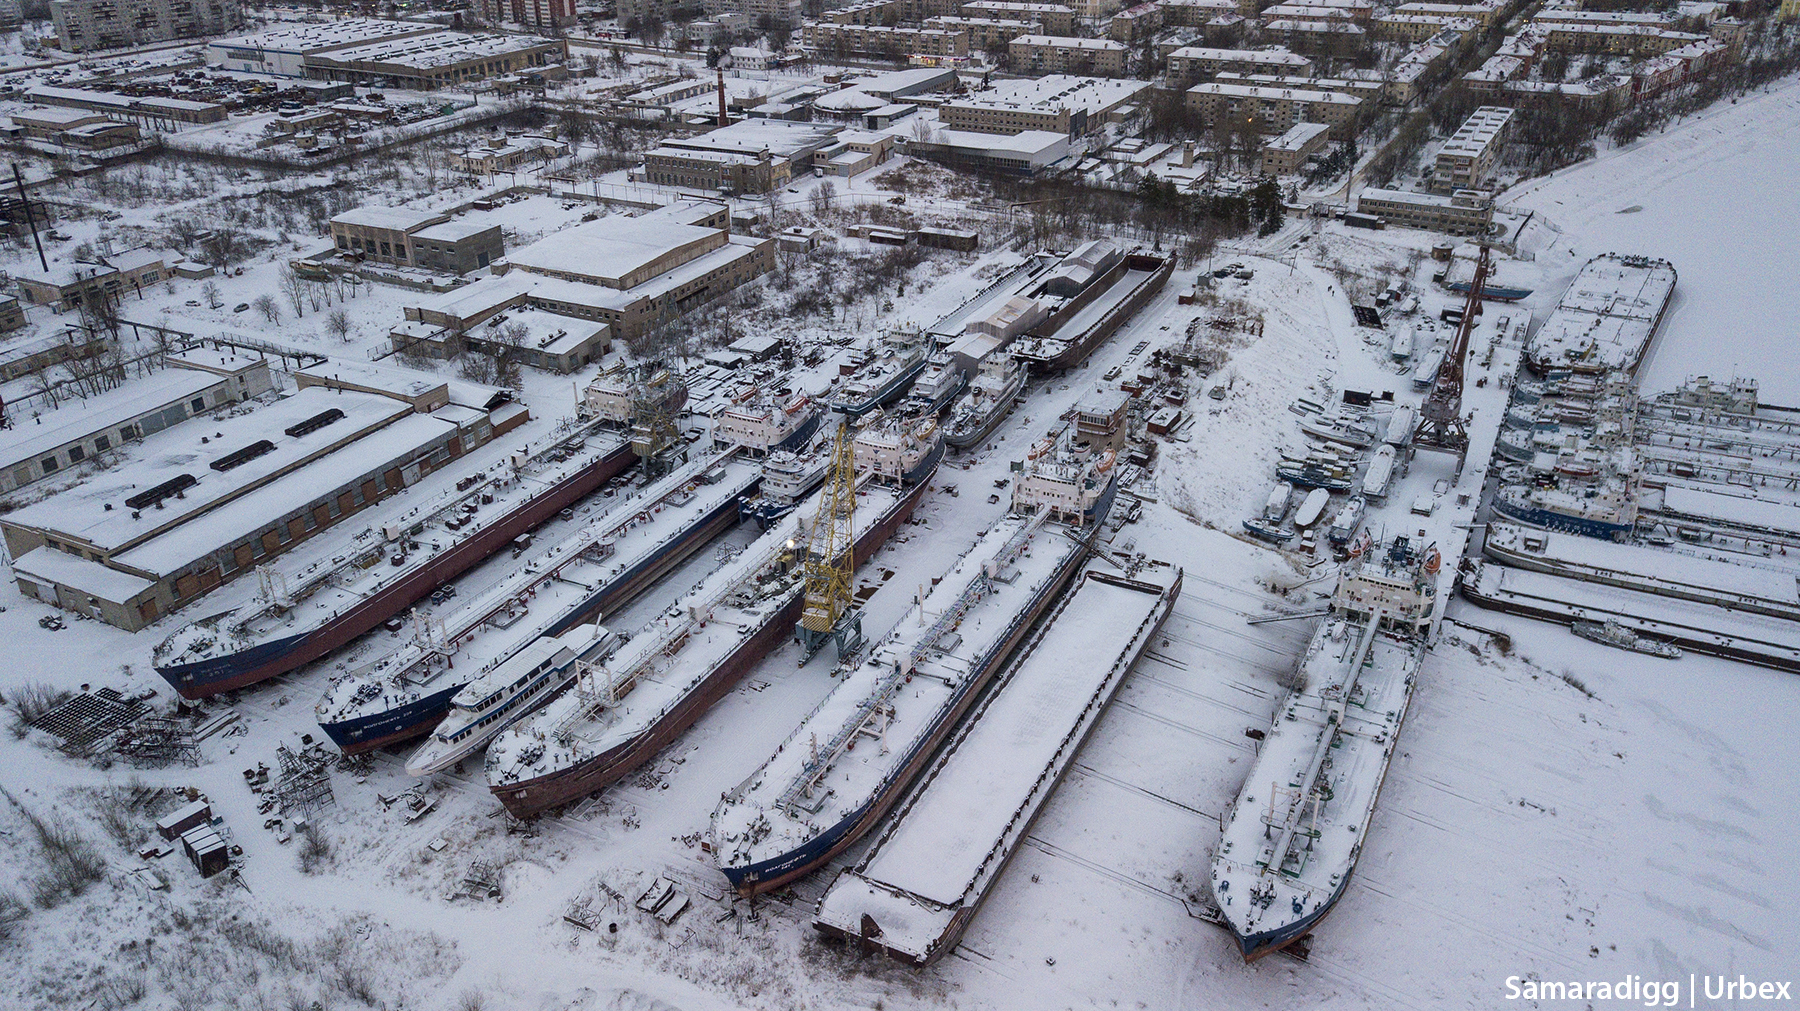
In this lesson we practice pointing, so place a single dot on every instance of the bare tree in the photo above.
(822, 197)
(294, 286)
(265, 304)
(228, 244)
(211, 292)
(338, 324)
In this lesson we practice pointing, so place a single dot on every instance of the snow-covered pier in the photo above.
(916, 890)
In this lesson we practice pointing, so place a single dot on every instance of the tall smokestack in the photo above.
(723, 121)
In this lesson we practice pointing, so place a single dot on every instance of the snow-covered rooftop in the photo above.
(96, 512)
(76, 418)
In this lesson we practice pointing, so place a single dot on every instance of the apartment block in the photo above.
(1200, 63)
(1052, 54)
(1467, 158)
(1056, 19)
(1277, 110)
(985, 33)
(860, 40)
(87, 25)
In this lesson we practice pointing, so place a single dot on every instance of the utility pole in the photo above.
(30, 220)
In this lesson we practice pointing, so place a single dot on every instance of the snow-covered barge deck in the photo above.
(313, 612)
(915, 892)
(591, 572)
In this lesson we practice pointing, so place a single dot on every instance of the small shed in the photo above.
(798, 240)
(1165, 421)
(176, 823)
(946, 238)
(206, 849)
(726, 359)
(760, 347)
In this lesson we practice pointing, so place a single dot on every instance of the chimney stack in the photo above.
(723, 121)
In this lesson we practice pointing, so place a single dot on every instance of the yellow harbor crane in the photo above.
(830, 559)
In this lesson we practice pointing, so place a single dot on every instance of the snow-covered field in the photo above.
(1529, 827)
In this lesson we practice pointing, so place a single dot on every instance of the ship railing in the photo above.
(1053, 769)
(978, 588)
(668, 639)
(1290, 824)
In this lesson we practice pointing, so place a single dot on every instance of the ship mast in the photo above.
(830, 559)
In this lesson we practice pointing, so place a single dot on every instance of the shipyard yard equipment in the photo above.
(828, 613)
(1440, 417)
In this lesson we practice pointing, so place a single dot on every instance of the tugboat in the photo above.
(1611, 633)
(942, 382)
(884, 376)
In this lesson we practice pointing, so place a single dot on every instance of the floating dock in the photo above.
(915, 892)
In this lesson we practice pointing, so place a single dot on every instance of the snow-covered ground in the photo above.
(1529, 827)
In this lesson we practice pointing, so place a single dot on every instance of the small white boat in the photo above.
(1312, 508)
(514, 687)
(1277, 506)
(1343, 526)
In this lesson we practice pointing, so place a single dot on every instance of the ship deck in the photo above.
(327, 583)
(1307, 870)
(545, 593)
(673, 654)
(947, 846)
(1703, 628)
(848, 780)
(1742, 583)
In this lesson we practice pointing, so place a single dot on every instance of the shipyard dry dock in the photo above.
(915, 892)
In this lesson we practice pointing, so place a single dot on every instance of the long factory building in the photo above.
(200, 504)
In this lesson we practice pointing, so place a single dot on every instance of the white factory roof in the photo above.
(781, 138)
(399, 219)
(73, 419)
(235, 520)
(57, 115)
(546, 332)
(456, 231)
(490, 291)
(81, 511)
(107, 98)
(1056, 91)
(47, 565)
(1028, 142)
(903, 82)
(330, 35)
(438, 49)
(609, 248)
